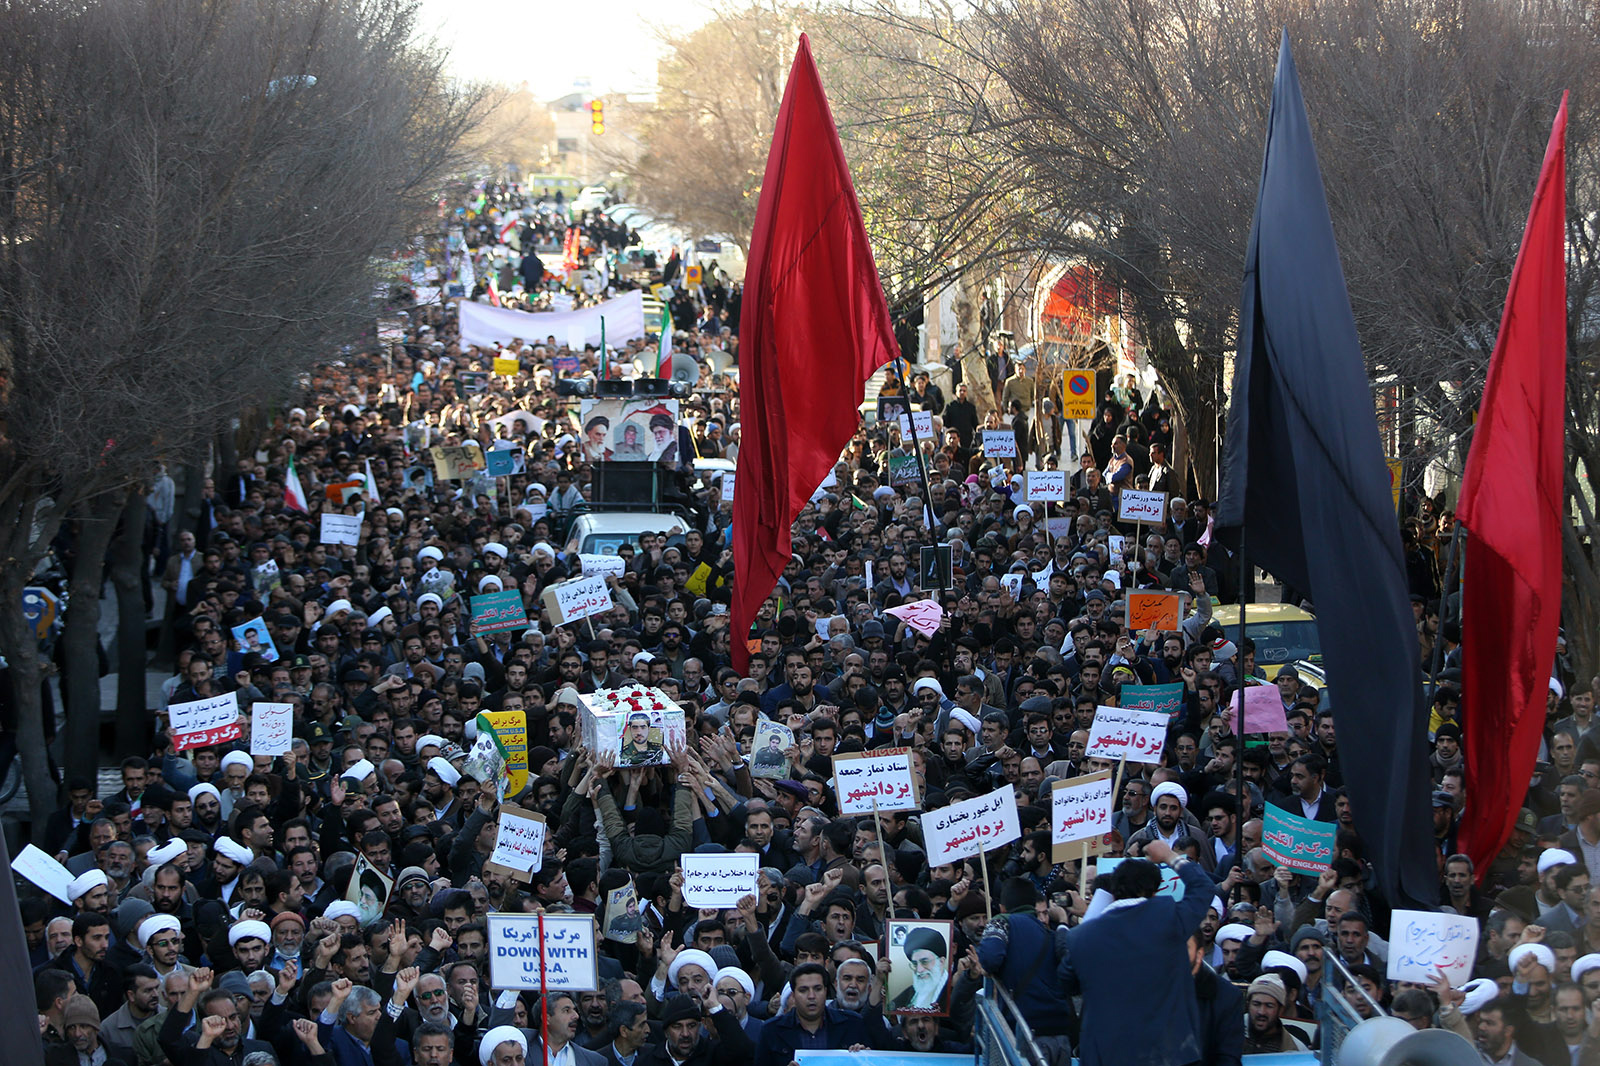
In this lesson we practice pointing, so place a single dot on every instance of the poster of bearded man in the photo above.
(920, 965)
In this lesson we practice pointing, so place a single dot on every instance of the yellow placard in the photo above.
(506, 367)
(512, 729)
(1077, 394)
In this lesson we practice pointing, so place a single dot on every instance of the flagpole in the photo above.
(1450, 575)
(1242, 809)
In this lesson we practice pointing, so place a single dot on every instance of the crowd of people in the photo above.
(211, 918)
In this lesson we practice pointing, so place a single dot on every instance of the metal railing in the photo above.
(1336, 1011)
(1000, 1034)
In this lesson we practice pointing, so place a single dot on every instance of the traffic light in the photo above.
(597, 117)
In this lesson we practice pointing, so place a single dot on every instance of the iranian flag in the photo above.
(664, 349)
(294, 497)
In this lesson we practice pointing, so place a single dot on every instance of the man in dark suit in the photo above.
(1308, 795)
(1138, 942)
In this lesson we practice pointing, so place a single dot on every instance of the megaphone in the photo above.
(682, 368)
(1385, 1041)
(719, 361)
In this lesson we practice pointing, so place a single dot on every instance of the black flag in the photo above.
(1305, 478)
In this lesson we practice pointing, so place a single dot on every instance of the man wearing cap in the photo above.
(84, 1046)
(1264, 1032)
(685, 1041)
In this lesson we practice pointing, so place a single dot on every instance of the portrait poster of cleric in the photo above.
(919, 973)
(643, 739)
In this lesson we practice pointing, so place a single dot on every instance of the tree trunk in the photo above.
(80, 636)
(125, 566)
(21, 646)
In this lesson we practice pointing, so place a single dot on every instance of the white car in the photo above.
(603, 532)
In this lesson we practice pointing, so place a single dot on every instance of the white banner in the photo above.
(1147, 507)
(719, 880)
(1080, 810)
(1421, 942)
(966, 828)
(520, 841)
(567, 949)
(1120, 731)
(879, 780)
(340, 529)
(999, 444)
(603, 564)
(485, 326)
(271, 728)
(1047, 486)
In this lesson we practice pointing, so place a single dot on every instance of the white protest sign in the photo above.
(718, 880)
(924, 426)
(340, 529)
(603, 564)
(565, 953)
(875, 780)
(271, 728)
(1047, 486)
(1079, 811)
(43, 871)
(1116, 544)
(1421, 942)
(1012, 584)
(1058, 526)
(999, 444)
(519, 845)
(966, 828)
(201, 723)
(727, 480)
(1148, 507)
(569, 601)
(1119, 732)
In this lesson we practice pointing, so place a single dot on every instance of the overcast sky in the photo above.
(612, 45)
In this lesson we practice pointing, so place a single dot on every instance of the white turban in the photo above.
(430, 738)
(1546, 957)
(491, 579)
(359, 771)
(927, 682)
(643, 657)
(430, 596)
(342, 908)
(339, 607)
(194, 793)
(1584, 965)
(237, 758)
(1479, 993)
(494, 547)
(1285, 960)
(166, 852)
(1555, 857)
(1170, 788)
(447, 773)
(378, 616)
(246, 930)
(85, 883)
(154, 924)
(1218, 906)
(966, 718)
(1234, 931)
(743, 978)
(230, 848)
(690, 957)
(430, 552)
(500, 1034)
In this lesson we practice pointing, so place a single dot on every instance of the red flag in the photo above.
(814, 327)
(1512, 505)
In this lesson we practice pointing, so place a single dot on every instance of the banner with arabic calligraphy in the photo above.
(1301, 844)
(1080, 810)
(542, 951)
(202, 723)
(875, 781)
(1421, 942)
(1121, 732)
(966, 828)
(1165, 699)
(718, 880)
(519, 843)
(494, 612)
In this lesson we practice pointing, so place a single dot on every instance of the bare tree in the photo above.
(193, 198)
